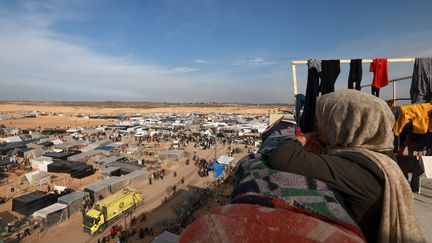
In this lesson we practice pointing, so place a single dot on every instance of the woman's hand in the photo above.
(305, 138)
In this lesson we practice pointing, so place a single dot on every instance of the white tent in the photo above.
(225, 160)
(57, 141)
(14, 139)
(37, 177)
(52, 214)
(41, 163)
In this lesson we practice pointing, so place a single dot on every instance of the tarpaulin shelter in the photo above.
(37, 177)
(106, 187)
(217, 168)
(4, 162)
(110, 171)
(94, 145)
(80, 170)
(136, 177)
(98, 189)
(166, 237)
(175, 155)
(75, 169)
(56, 155)
(41, 163)
(52, 214)
(225, 160)
(84, 156)
(125, 167)
(105, 148)
(6, 149)
(11, 140)
(31, 202)
(73, 201)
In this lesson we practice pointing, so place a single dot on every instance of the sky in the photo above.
(197, 50)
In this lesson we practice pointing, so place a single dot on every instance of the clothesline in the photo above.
(364, 60)
(347, 61)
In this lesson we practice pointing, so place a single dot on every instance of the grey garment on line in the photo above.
(421, 84)
(314, 63)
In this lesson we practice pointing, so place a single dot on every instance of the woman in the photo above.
(356, 130)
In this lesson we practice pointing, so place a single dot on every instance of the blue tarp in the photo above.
(106, 148)
(217, 168)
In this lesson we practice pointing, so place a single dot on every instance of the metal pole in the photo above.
(294, 76)
(394, 93)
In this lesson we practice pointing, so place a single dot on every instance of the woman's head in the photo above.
(350, 118)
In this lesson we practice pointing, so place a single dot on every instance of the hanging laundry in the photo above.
(421, 85)
(308, 119)
(427, 164)
(330, 70)
(355, 74)
(380, 79)
(375, 91)
(418, 114)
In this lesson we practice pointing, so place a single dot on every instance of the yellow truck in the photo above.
(108, 210)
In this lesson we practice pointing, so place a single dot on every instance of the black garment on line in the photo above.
(375, 91)
(308, 119)
(330, 70)
(421, 84)
(355, 74)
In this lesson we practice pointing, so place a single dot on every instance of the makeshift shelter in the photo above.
(136, 177)
(105, 148)
(52, 214)
(116, 183)
(110, 171)
(110, 159)
(217, 168)
(94, 145)
(6, 149)
(55, 155)
(225, 160)
(53, 131)
(174, 155)
(97, 189)
(41, 163)
(84, 156)
(11, 140)
(80, 170)
(125, 167)
(37, 177)
(166, 237)
(73, 201)
(31, 202)
(5, 162)
(106, 187)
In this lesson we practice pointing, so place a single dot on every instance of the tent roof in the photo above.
(106, 148)
(5, 162)
(50, 209)
(225, 160)
(166, 237)
(73, 196)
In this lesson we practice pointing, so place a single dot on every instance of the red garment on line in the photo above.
(380, 70)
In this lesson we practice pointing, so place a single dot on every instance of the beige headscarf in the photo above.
(353, 121)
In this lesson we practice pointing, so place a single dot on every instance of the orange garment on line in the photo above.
(418, 114)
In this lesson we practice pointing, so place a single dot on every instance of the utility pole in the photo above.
(215, 150)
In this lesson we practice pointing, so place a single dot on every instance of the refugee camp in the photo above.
(215, 121)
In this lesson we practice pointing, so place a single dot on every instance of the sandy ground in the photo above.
(71, 230)
(42, 107)
(54, 121)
